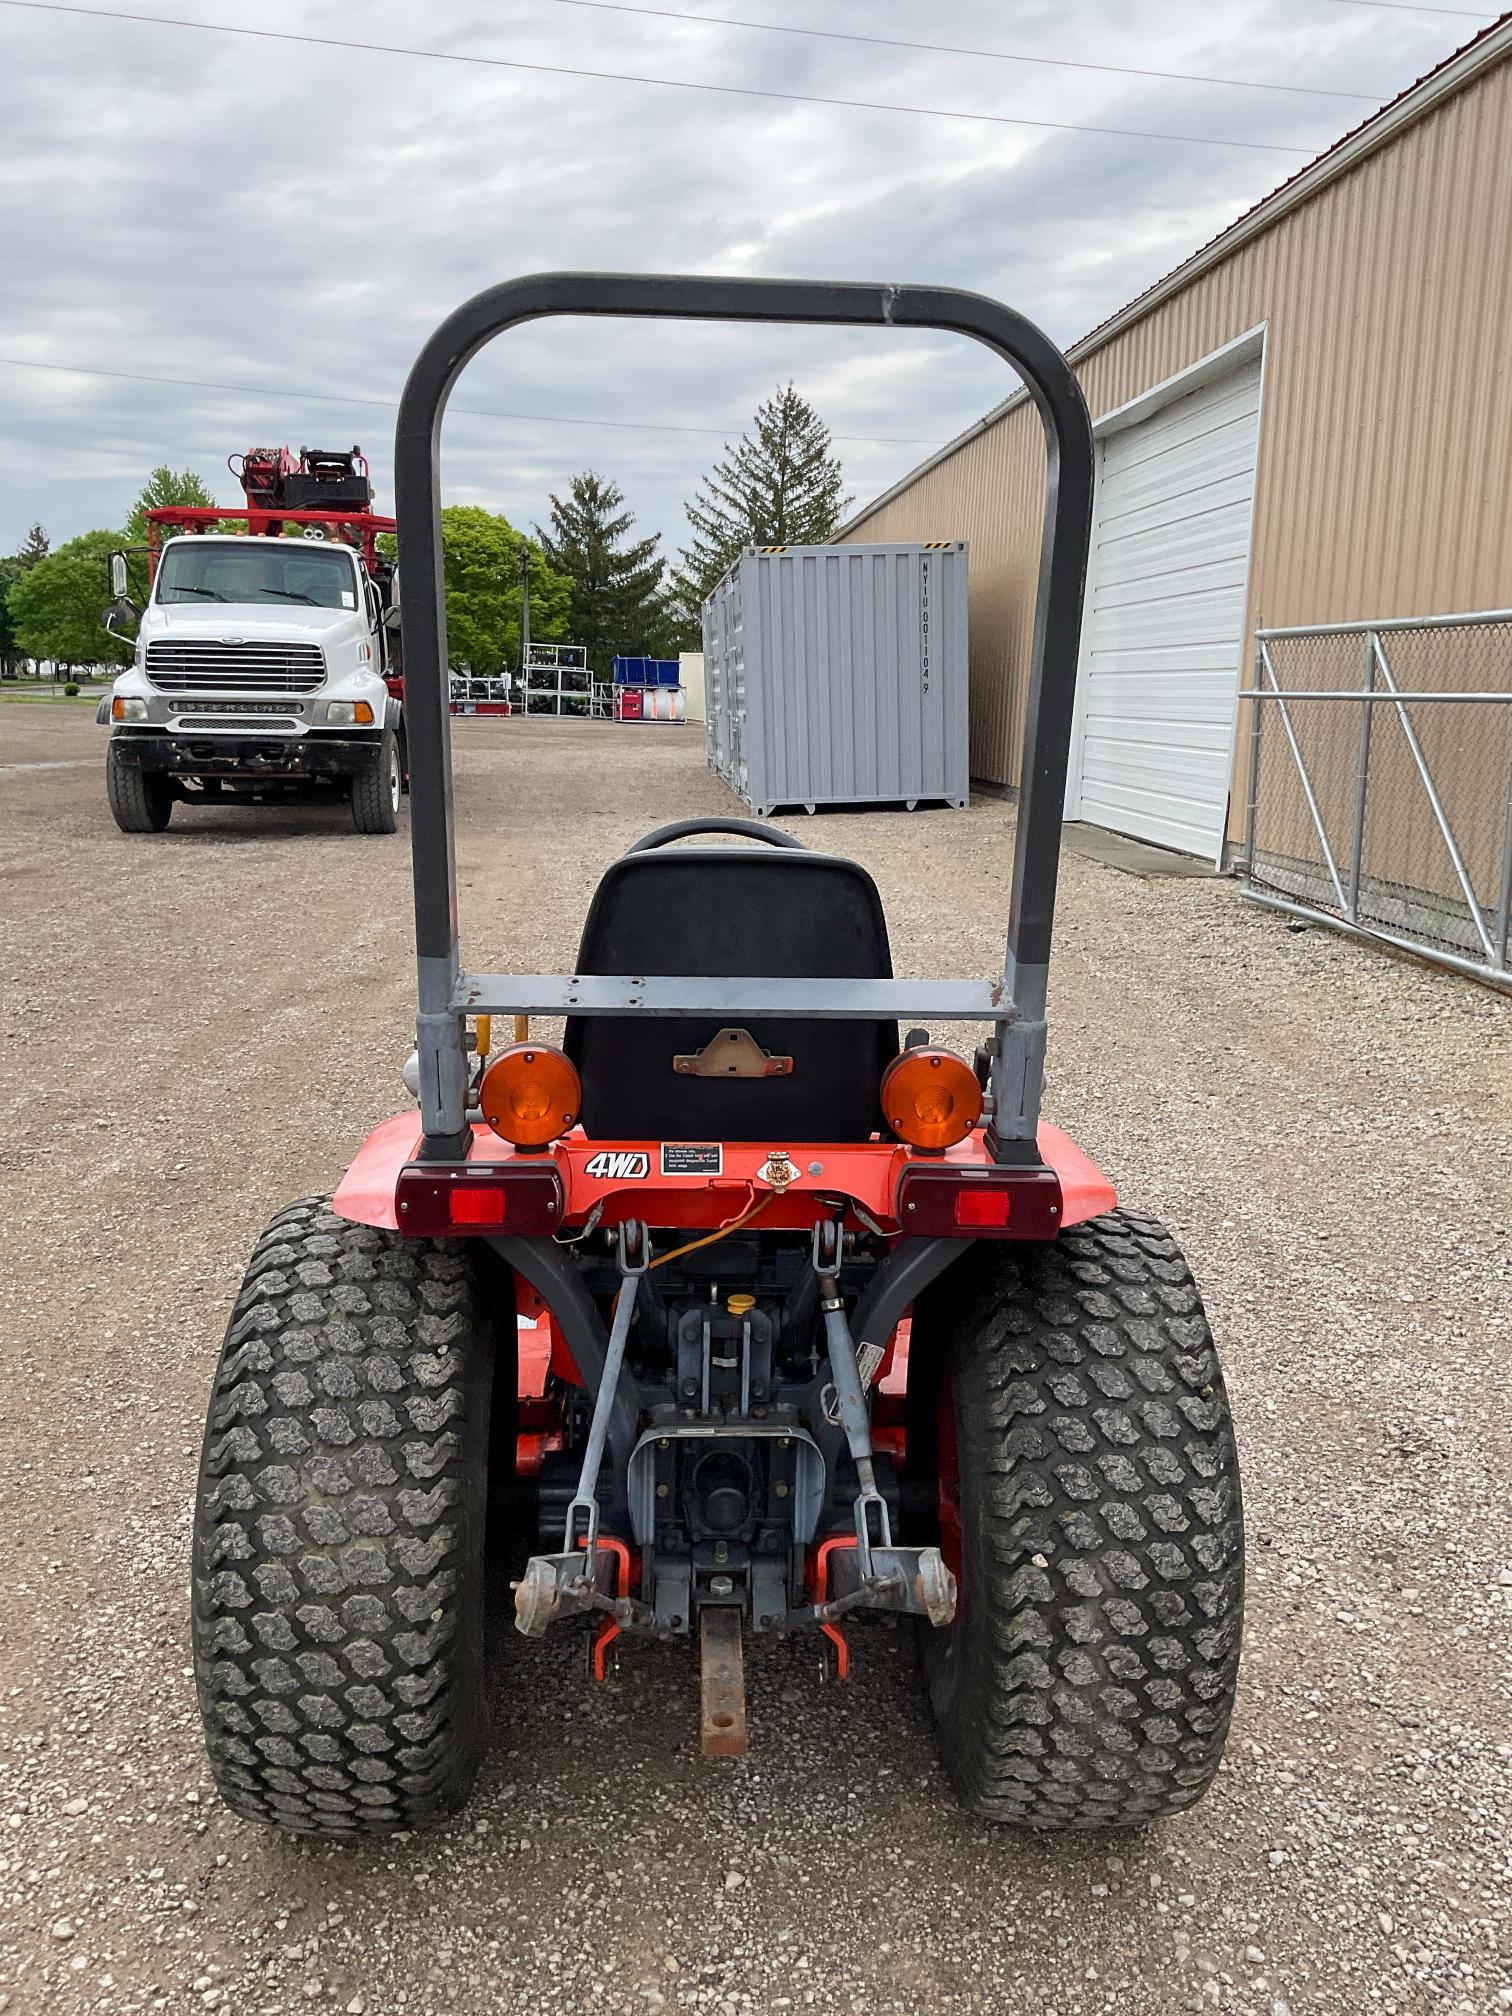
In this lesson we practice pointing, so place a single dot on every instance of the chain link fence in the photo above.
(1380, 783)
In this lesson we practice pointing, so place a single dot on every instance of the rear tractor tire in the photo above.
(376, 793)
(1087, 1495)
(339, 1530)
(140, 800)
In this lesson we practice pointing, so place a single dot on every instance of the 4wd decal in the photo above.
(618, 1165)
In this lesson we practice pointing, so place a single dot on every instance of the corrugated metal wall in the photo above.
(1386, 428)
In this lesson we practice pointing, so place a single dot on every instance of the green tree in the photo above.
(57, 604)
(780, 485)
(34, 547)
(481, 551)
(616, 583)
(163, 487)
(10, 649)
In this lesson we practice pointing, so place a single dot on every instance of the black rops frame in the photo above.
(1015, 1004)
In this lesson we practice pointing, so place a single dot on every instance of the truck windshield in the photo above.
(257, 570)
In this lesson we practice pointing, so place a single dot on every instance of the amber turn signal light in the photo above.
(530, 1094)
(930, 1098)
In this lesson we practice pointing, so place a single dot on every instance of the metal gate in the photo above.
(1380, 783)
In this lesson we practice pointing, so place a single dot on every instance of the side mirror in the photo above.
(119, 617)
(118, 582)
(391, 618)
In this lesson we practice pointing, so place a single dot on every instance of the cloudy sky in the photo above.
(288, 221)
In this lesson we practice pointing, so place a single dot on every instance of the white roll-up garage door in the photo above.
(1163, 636)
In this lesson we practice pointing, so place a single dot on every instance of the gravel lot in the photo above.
(198, 1028)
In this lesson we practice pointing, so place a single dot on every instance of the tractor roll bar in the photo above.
(1016, 1005)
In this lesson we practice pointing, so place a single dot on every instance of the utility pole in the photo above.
(524, 607)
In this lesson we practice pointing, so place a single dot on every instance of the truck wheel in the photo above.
(140, 801)
(376, 792)
(1087, 1499)
(339, 1529)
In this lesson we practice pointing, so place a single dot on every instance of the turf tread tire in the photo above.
(1090, 1679)
(139, 801)
(373, 807)
(338, 1536)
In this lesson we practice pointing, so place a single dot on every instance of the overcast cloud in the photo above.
(189, 205)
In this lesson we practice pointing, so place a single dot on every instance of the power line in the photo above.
(952, 49)
(1411, 7)
(391, 405)
(626, 77)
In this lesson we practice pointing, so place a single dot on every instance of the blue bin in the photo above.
(646, 672)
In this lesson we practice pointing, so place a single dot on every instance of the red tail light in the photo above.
(984, 1208)
(476, 1204)
(435, 1200)
(979, 1203)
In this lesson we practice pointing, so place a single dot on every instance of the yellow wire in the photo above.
(709, 1238)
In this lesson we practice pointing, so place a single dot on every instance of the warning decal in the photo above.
(692, 1158)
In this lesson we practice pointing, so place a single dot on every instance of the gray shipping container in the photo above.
(836, 675)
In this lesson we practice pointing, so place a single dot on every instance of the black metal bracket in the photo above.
(902, 1275)
(559, 1284)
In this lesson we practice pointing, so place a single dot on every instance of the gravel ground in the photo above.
(198, 1028)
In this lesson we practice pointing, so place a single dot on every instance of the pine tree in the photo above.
(616, 586)
(164, 486)
(37, 546)
(779, 486)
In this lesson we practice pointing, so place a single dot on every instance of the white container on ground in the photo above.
(690, 676)
(837, 675)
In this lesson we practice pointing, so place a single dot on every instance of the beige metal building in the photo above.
(1310, 421)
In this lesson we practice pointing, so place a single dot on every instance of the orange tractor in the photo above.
(733, 1313)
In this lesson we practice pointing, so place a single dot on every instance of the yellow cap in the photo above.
(741, 1305)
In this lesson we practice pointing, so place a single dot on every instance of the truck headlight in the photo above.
(128, 708)
(349, 714)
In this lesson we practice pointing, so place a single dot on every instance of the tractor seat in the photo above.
(719, 911)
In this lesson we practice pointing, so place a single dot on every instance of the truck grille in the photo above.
(257, 724)
(209, 666)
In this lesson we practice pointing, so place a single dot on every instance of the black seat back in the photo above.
(724, 911)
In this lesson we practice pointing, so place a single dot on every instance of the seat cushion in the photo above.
(727, 911)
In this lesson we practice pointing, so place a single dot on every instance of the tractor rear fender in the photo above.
(700, 1187)
(617, 1181)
